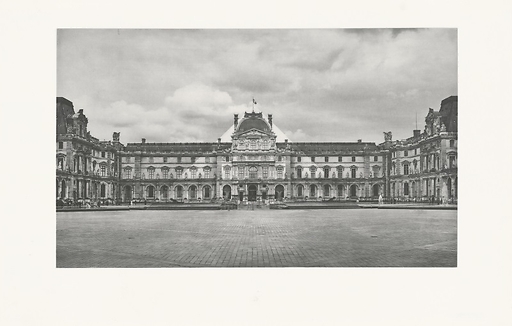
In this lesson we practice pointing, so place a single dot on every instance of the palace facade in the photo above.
(256, 164)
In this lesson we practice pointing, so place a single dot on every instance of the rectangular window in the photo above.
(299, 173)
(151, 173)
(406, 169)
(312, 158)
(353, 173)
(280, 173)
(193, 174)
(227, 174)
(102, 154)
(406, 189)
(353, 158)
(340, 158)
(326, 159)
(179, 173)
(207, 174)
(151, 159)
(192, 159)
(299, 159)
(375, 158)
(406, 153)
(241, 174)
(61, 145)
(165, 174)
(103, 170)
(227, 158)
(265, 172)
(128, 174)
(207, 159)
(165, 159)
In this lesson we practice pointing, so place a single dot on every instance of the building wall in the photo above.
(419, 167)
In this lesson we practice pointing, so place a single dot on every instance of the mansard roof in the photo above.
(320, 148)
(185, 148)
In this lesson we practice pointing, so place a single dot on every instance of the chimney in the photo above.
(143, 140)
(359, 140)
(218, 140)
(235, 120)
(416, 133)
(286, 141)
(270, 120)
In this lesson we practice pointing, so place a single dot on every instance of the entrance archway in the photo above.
(353, 191)
(253, 189)
(127, 193)
(226, 192)
(279, 192)
(192, 192)
(376, 189)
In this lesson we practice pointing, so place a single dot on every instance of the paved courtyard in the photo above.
(260, 238)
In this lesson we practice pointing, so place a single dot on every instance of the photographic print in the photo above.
(256, 148)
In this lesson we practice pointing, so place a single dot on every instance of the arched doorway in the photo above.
(150, 192)
(340, 190)
(164, 191)
(253, 190)
(327, 191)
(353, 191)
(312, 191)
(192, 192)
(300, 191)
(279, 192)
(206, 192)
(179, 192)
(226, 192)
(376, 189)
(63, 190)
(127, 193)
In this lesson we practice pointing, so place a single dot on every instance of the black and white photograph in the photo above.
(255, 163)
(257, 148)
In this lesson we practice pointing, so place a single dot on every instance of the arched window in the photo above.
(353, 172)
(406, 168)
(227, 172)
(279, 170)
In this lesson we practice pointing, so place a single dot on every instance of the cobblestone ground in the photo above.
(260, 238)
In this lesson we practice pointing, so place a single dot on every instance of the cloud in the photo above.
(185, 85)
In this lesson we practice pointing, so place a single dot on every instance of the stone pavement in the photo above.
(259, 238)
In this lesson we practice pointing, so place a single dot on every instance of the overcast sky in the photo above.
(320, 85)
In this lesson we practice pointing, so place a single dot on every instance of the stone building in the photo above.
(255, 162)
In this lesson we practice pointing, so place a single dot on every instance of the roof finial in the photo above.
(253, 102)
